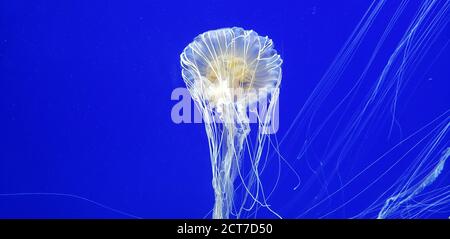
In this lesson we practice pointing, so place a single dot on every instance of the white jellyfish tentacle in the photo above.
(225, 70)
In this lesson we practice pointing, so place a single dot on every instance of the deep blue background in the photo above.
(85, 98)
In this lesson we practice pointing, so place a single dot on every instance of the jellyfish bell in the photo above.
(227, 71)
(228, 66)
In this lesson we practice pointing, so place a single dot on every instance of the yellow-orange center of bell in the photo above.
(234, 70)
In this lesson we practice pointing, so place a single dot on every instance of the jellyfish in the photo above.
(227, 72)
